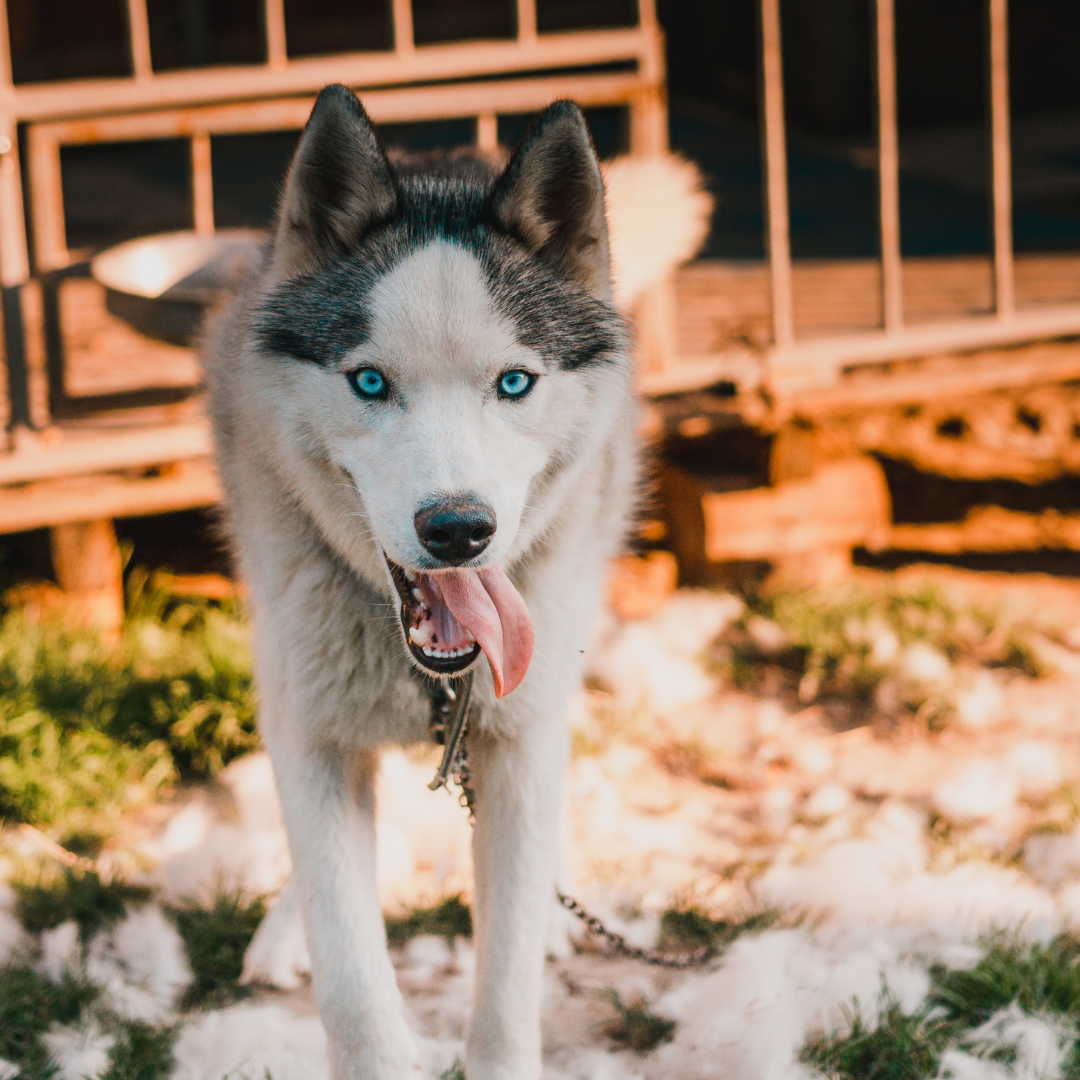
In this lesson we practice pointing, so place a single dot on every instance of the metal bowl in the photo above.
(163, 285)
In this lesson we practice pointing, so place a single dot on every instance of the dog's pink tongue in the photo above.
(486, 602)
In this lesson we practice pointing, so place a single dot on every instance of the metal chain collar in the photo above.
(449, 724)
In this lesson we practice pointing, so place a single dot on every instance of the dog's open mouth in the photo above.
(450, 616)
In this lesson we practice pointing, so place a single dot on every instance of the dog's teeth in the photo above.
(472, 640)
(417, 594)
(420, 635)
(428, 650)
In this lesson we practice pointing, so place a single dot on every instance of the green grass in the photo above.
(897, 1047)
(449, 919)
(49, 899)
(90, 728)
(635, 1027)
(215, 940)
(142, 1051)
(1039, 979)
(29, 1005)
(455, 1072)
(847, 640)
(691, 928)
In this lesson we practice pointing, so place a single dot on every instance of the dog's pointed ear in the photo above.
(551, 197)
(338, 185)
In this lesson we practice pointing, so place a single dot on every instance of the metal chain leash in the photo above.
(449, 724)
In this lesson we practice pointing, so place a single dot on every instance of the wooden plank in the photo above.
(991, 529)
(83, 454)
(56, 502)
(202, 184)
(426, 64)
(1001, 159)
(139, 40)
(944, 376)
(776, 192)
(844, 504)
(274, 21)
(892, 298)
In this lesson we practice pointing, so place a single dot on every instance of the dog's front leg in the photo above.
(328, 800)
(518, 782)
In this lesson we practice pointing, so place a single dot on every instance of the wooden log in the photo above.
(844, 504)
(86, 561)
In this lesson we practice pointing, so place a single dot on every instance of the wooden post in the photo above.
(86, 561)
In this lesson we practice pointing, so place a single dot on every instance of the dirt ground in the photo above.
(879, 848)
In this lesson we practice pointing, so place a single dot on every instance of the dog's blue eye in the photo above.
(367, 383)
(515, 384)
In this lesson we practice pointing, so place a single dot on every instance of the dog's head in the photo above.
(440, 343)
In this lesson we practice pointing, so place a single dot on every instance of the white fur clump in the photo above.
(202, 851)
(654, 662)
(1041, 1045)
(658, 216)
(751, 1018)
(247, 1041)
(141, 965)
(80, 1051)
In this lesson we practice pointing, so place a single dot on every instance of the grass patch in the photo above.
(215, 940)
(53, 898)
(1042, 980)
(897, 1047)
(90, 727)
(449, 919)
(849, 640)
(692, 928)
(635, 1027)
(29, 1005)
(142, 1051)
(455, 1072)
(1039, 978)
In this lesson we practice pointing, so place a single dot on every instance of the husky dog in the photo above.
(424, 416)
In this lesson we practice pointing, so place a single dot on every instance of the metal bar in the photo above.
(487, 133)
(404, 43)
(202, 184)
(1001, 159)
(892, 294)
(274, 27)
(430, 65)
(776, 192)
(526, 20)
(139, 40)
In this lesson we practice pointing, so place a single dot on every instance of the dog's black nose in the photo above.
(455, 531)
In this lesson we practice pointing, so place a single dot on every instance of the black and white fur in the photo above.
(442, 279)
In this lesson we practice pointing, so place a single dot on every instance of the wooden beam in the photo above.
(57, 502)
(844, 504)
(991, 529)
(88, 567)
(81, 454)
(429, 64)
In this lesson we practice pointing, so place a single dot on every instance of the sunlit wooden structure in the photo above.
(776, 337)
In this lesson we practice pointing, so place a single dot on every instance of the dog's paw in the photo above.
(278, 954)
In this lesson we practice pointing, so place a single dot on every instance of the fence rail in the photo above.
(794, 365)
(408, 82)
